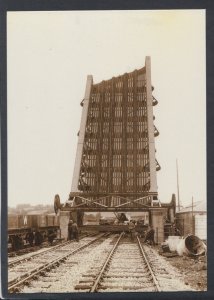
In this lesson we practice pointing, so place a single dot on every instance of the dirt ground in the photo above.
(194, 270)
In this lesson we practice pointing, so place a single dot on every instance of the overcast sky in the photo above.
(49, 57)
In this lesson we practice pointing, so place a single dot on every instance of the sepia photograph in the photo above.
(106, 149)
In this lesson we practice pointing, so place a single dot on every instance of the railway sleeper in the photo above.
(42, 273)
(129, 270)
(142, 289)
(48, 279)
(141, 279)
(135, 274)
(124, 276)
(127, 287)
(15, 290)
(82, 287)
(27, 283)
(94, 272)
(86, 281)
(165, 276)
(133, 283)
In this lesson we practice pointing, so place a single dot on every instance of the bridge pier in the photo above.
(157, 221)
(63, 222)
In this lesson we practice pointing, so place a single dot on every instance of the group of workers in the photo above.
(149, 235)
(73, 232)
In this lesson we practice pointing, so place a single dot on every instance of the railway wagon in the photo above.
(20, 225)
(32, 221)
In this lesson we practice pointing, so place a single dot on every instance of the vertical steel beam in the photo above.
(111, 130)
(124, 148)
(99, 138)
(152, 162)
(76, 173)
(135, 131)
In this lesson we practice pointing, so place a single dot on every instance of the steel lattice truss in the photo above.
(115, 153)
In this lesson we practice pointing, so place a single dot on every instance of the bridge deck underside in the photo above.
(111, 228)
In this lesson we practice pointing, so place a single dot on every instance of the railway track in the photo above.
(107, 263)
(14, 261)
(124, 269)
(12, 255)
(129, 267)
(30, 256)
(23, 251)
(22, 271)
(169, 279)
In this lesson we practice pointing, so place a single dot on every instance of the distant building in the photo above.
(193, 220)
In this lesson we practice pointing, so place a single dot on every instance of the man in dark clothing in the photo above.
(150, 236)
(15, 243)
(175, 230)
(131, 227)
(70, 233)
(51, 236)
(20, 241)
(75, 232)
(38, 238)
(122, 218)
(30, 238)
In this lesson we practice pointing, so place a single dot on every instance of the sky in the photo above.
(50, 54)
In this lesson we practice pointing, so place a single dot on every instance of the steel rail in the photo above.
(148, 265)
(22, 251)
(95, 285)
(19, 260)
(22, 279)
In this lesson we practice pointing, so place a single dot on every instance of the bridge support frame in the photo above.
(157, 221)
(63, 223)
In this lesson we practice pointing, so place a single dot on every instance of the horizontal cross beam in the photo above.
(110, 209)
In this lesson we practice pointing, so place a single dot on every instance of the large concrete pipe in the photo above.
(191, 245)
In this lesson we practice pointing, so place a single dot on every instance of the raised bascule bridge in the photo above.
(115, 167)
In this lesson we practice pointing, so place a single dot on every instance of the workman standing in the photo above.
(175, 230)
(70, 233)
(51, 236)
(122, 218)
(150, 236)
(38, 238)
(16, 245)
(30, 237)
(131, 227)
(75, 232)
